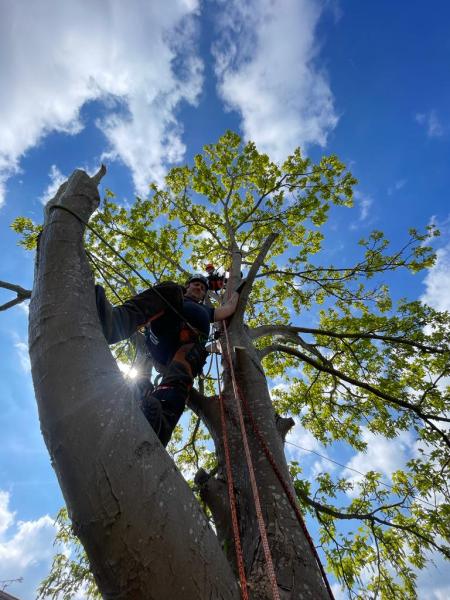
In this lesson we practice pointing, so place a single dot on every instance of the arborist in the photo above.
(216, 281)
(177, 323)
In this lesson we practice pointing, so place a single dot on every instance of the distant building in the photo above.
(6, 596)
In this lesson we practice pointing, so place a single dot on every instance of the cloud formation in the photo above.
(431, 122)
(55, 58)
(56, 179)
(382, 455)
(308, 451)
(265, 63)
(26, 549)
(364, 203)
(437, 281)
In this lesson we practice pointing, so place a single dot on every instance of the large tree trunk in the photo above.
(143, 531)
(297, 571)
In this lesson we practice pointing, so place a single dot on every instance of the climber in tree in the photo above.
(177, 326)
(216, 281)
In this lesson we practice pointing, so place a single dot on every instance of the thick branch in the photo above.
(273, 330)
(284, 425)
(111, 475)
(253, 272)
(205, 407)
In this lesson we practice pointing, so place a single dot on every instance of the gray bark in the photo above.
(297, 572)
(143, 531)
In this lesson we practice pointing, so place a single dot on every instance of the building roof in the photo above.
(5, 596)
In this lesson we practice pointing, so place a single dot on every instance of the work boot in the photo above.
(163, 409)
(120, 322)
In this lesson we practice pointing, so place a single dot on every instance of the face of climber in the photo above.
(196, 290)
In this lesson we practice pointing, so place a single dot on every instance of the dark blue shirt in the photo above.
(163, 334)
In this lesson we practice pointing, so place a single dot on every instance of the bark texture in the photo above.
(297, 572)
(144, 533)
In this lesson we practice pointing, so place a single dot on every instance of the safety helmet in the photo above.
(198, 277)
(209, 267)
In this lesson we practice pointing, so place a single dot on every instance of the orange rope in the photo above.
(262, 527)
(231, 494)
(239, 395)
(288, 493)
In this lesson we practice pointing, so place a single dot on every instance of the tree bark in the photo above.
(297, 572)
(143, 531)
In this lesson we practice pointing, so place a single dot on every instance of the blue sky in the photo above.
(144, 88)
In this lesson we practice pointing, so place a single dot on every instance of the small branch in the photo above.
(22, 294)
(372, 518)
(99, 175)
(327, 368)
(192, 441)
(257, 204)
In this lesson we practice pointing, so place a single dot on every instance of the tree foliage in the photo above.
(350, 359)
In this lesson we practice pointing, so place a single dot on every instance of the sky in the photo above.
(142, 86)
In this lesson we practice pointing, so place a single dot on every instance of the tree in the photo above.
(364, 364)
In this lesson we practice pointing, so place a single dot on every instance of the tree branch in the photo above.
(22, 294)
(284, 425)
(327, 368)
(265, 330)
(253, 272)
(370, 517)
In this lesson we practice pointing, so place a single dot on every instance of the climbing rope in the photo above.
(262, 526)
(231, 493)
(114, 251)
(240, 396)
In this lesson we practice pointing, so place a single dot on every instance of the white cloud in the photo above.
(25, 307)
(266, 70)
(138, 58)
(6, 517)
(23, 355)
(398, 185)
(433, 583)
(338, 593)
(56, 179)
(26, 549)
(382, 455)
(306, 446)
(437, 281)
(431, 122)
(364, 203)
